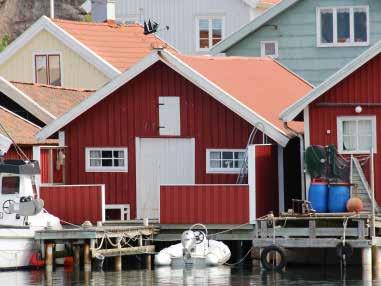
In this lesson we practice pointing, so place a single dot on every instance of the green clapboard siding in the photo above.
(295, 31)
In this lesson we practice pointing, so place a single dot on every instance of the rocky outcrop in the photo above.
(17, 15)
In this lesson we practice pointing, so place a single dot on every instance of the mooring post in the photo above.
(86, 257)
(118, 258)
(366, 255)
(49, 256)
(77, 255)
(376, 259)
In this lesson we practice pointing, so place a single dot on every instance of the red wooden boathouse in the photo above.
(345, 110)
(168, 138)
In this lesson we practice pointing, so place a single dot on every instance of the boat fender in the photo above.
(342, 250)
(211, 259)
(163, 259)
(278, 265)
(36, 261)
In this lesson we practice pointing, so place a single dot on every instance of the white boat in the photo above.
(21, 211)
(195, 248)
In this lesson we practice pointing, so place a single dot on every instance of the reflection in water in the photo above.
(222, 275)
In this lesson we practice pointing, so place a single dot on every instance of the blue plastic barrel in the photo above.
(318, 196)
(338, 197)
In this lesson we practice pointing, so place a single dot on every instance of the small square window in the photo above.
(47, 69)
(224, 161)
(269, 49)
(210, 31)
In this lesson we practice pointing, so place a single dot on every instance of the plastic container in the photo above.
(338, 197)
(318, 196)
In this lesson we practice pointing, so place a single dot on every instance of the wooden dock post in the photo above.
(366, 257)
(49, 256)
(86, 257)
(118, 263)
(77, 255)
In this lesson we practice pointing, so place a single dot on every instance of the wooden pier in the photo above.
(98, 242)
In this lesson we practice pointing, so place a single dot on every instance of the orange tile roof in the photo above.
(120, 45)
(56, 100)
(262, 84)
(271, 2)
(22, 131)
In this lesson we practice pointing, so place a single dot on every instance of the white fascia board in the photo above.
(97, 96)
(251, 26)
(44, 23)
(226, 99)
(293, 110)
(19, 97)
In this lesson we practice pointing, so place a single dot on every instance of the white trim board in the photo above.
(189, 73)
(251, 26)
(44, 23)
(293, 110)
(19, 97)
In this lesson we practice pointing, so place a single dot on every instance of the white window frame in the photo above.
(263, 49)
(210, 170)
(47, 53)
(106, 169)
(209, 18)
(352, 43)
(341, 119)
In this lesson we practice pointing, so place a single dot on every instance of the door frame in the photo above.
(138, 166)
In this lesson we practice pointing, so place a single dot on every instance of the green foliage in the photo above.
(88, 18)
(4, 42)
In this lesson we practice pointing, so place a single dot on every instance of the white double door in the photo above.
(161, 161)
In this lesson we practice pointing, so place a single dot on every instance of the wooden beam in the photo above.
(310, 243)
(147, 249)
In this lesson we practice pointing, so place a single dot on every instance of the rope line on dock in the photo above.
(241, 260)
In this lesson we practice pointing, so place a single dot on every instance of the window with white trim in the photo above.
(224, 160)
(210, 31)
(106, 160)
(47, 69)
(269, 49)
(356, 134)
(342, 26)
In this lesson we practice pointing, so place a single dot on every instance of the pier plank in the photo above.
(146, 249)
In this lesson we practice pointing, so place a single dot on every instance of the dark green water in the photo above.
(310, 276)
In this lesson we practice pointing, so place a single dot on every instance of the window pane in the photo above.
(118, 163)
(95, 162)
(54, 70)
(106, 154)
(343, 26)
(204, 33)
(95, 154)
(349, 128)
(349, 143)
(10, 185)
(239, 155)
(227, 155)
(106, 162)
(326, 29)
(118, 154)
(215, 164)
(215, 155)
(360, 25)
(41, 70)
(227, 163)
(365, 127)
(216, 30)
(365, 143)
(238, 163)
(270, 49)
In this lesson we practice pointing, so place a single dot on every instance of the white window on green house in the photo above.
(342, 26)
(356, 134)
(47, 69)
(210, 31)
(106, 159)
(269, 49)
(226, 161)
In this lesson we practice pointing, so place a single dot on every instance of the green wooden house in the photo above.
(313, 38)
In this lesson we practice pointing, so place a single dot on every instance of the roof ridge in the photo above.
(109, 24)
(52, 86)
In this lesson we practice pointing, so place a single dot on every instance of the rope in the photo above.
(18, 150)
(241, 260)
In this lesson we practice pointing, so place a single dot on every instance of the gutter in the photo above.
(302, 175)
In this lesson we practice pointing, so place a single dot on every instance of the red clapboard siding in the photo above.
(209, 204)
(266, 179)
(360, 88)
(132, 111)
(74, 204)
(12, 154)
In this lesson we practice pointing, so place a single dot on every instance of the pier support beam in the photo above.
(49, 256)
(118, 263)
(366, 258)
(77, 255)
(86, 257)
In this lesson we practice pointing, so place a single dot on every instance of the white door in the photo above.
(161, 161)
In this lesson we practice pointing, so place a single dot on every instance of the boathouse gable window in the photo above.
(10, 185)
(210, 31)
(225, 161)
(47, 69)
(269, 49)
(106, 160)
(356, 134)
(342, 26)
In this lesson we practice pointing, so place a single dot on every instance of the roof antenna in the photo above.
(151, 27)
(52, 9)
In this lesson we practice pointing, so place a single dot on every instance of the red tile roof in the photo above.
(271, 2)
(120, 45)
(56, 100)
(262, 84)
(22, 131)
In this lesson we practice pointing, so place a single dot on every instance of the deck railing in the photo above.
(209, 204)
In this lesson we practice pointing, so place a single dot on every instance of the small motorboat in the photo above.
(196, 249)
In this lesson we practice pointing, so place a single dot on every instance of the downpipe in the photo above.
(302, 175)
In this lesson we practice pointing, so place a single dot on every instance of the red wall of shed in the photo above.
(132, 111)
(12, 154)
(360, 88)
